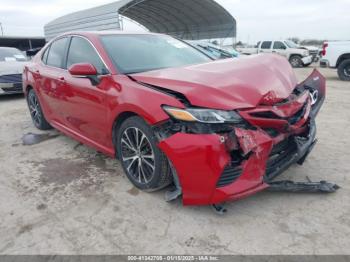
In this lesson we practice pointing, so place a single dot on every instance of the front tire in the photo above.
(296, 61)
(344, 70)
(143, 162)
(36, 112)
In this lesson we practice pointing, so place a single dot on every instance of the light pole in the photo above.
(2, 30)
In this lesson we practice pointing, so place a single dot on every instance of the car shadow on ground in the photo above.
(11, 97)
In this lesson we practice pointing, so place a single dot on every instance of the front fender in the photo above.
(138, 99)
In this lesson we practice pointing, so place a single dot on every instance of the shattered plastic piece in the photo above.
(172, 195)
(308, 187)
(175, 193)
(219, 209)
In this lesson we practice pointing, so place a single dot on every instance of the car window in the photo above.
(56, 54)
(266, 45)
(278, 45)
(44, 56)
(81, 51)
(140, 53)
(9, 54)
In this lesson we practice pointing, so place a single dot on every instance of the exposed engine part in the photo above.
(300, 187)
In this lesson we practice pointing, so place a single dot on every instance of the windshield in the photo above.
(11, 55)
(291, 44)
(139, 53)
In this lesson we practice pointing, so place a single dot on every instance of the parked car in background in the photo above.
(12, 62)
(215, 51)
(219, 130)
(337, 55)
(297, 57)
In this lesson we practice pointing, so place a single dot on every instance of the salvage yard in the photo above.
(61, 197)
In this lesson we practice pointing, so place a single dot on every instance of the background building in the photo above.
(186, 19)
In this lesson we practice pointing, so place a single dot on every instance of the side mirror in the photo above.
(85, 70)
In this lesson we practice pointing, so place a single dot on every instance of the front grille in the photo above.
(229, 175)
(291, 120)
(298, 115)
(15, 78)
(280, 155)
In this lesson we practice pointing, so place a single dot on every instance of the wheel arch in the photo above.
(342, 58)
(28, 88)
(293, 54)
(118, 121)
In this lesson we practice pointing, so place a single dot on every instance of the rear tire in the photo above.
(344, 70)
(36, 112)
(143, 162)
(295, 61)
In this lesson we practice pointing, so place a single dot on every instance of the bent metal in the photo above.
(216, 130)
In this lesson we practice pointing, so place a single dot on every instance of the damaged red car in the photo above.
(217, 130)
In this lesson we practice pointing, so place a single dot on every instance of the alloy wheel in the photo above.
(34, 109)
(137, 155)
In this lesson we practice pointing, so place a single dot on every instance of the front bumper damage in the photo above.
(216, 167)
(11, 84)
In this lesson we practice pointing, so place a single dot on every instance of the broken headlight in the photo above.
(202, 115)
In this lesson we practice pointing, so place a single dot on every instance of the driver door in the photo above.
(85, 108)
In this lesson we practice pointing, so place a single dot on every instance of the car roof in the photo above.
(109, 32)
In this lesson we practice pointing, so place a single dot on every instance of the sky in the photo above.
(256, 19)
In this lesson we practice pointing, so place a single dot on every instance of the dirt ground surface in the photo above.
(61, 197)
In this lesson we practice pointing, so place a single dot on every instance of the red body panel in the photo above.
(254, 85)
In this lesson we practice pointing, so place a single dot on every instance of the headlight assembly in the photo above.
(202, 115)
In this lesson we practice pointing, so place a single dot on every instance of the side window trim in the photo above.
(45, 55)
(64, 61)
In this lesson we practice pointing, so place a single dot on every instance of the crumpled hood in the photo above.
(9, 68)
(228, 84)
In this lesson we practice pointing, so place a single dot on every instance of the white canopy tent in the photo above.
(186, 19)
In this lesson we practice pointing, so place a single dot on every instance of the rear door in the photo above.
(266, 47)
(84, 105)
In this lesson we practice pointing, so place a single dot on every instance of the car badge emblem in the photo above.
(314, 96)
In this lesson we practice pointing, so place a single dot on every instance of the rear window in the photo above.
(11, 55)
(56, 54)
(266, 45)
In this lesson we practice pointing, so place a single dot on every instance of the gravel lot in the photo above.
(61, 197)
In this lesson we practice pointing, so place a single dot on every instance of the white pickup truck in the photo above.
(296, 55)
(337, 55)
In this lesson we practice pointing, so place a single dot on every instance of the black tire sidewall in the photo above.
(159, 157)
(341, 68)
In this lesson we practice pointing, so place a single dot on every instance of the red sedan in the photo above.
(219, 130)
